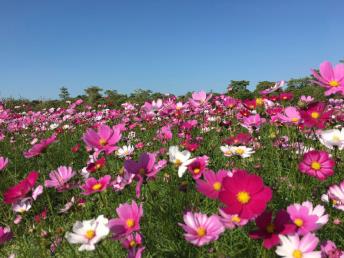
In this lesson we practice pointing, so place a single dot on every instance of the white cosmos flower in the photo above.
(179, 158)
(88, 233)
(242, 151)
(125, 151)
(22, 205)
(333, 137)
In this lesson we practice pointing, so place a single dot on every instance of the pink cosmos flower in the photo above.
(318, 211)
(293, 246)
(212, 185)
(104, 139)
(197, 166)
(253, 122)
(199, 98)
(132, 241)
(3, 163)
(335, 194)
(302, 218)
(59, 178)
(269, 229)
(231, 221)
(165, 133)
(245, 194)
(317, 164)
(122, 180)
(40, 147)
(145, 168)
(291, 115)
(128, 220)
(332, 79)
(201, 229)
(330, 250)
(20, 190)
(92, 185)
(306, 99)
(5, 235)
(316, 115)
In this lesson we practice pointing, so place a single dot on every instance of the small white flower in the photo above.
(88, 233)
(53, 126)
(179, 158)
(242, 151)
(125, 151)
(22, 205)
(333, 137)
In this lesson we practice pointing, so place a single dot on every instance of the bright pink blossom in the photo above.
(245, 194)
(5, 235)
(92, 185)
(105, 139)
(40, 147)
(302, 218)
(201, 229)
(317, 164)
(212, 184)
(128, 220)
(59, 178)
(331, 78)
(20, 190)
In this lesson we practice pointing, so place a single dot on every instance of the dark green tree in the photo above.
(239, 89)
(93, 93)
(64, 93)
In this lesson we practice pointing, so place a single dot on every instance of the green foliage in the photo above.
(93, 93)
(263, 86)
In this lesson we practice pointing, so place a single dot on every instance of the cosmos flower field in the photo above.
(206, 176)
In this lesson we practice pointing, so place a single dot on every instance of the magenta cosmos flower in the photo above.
(92, 185)
(59, 178)
(5, 235)
(269, 229)
(201, 229)
(128, 220)
(3, 163)
(332, 79)
(40, 147)
(316, 115)
(197, 166)
(144, 168)
(104, 139)
(212, 184)
(245, 194)
(317, 164)
(20, 190)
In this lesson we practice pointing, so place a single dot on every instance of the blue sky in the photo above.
(166, 46)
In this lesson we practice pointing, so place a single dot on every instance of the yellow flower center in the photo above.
(297, 254)
(102, 141)
(315, 165)
(239, 151)
(217, 186)
(259, 101)
(98, 166)
(335, 138)
(236, 219)
(142, 171)
(334, 83)
(196, 170)
(201, 231)
(294, 119)
(270, 228)
(130, 223)
(132, 243)
(97, 186)
(243, 197)
(298, 222)
(315, 115)
(177, 162)
(228, 152)
(90, 234)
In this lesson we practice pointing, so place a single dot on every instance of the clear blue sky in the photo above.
(162, 45)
